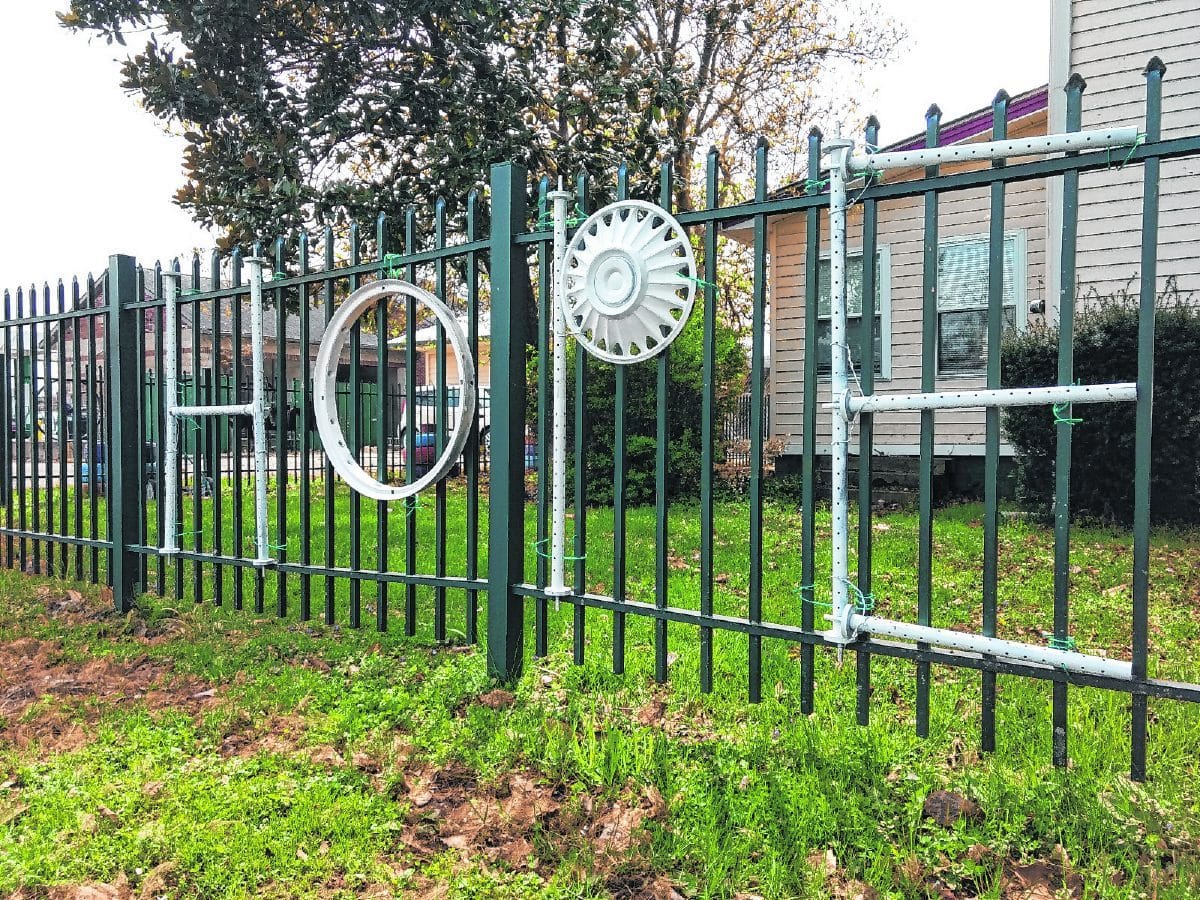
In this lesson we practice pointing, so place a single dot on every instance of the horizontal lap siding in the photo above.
(960, 213)
(1111, 43)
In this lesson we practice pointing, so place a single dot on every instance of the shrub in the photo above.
(1102, 452)
(684, 403)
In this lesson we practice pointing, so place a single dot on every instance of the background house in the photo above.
(1108, 44)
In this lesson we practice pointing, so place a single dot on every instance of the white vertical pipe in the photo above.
(169, 540)
(558, 497)
(259, 403)
(840, 441)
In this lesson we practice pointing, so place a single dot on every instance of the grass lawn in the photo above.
(198, 751)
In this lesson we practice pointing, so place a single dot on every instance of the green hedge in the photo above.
(684, 403)
(1102, 452)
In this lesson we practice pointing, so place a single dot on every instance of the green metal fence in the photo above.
(94, 356)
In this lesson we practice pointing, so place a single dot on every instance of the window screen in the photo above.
(963, 302)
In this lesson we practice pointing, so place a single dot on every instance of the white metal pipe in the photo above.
(1098, 139)
(258, 405)
(1069, 660)
(558, 497)
(169, 540)
(1075, 393)
(233, 409)
(840, 440)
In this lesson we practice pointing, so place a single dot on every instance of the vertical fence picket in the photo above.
(475, 438)
(582, 424)
(545, 315)
(1144, 416)
(991, 461)
(355, 438)
(280, 548)
(217, 434)
(196, 429)
(866, 420)
(929, 279)
(412, 424)
(662, 570)
(305, 426)
(12, 430)
(95, 432)
(1062, 458)
(34, 431)
(239, 396)
(78, 444)
(330, 492)
(808, 493)
(22, 422)
(60, 331)
(381, 426)
(757, 386)
(160, 416)
(439, 491)
(620, 473)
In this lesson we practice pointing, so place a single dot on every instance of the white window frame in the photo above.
(1020, 294)
(885, 307)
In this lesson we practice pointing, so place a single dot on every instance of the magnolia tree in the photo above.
(299, 114)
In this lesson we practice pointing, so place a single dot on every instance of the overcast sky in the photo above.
(85, 173)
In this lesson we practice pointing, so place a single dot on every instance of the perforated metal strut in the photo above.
(847, 623)
(256, 409)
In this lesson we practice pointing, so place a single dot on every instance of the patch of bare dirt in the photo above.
(32, 671)
(497, 699)
(1040, 881)
(500, 822)
(277, 734)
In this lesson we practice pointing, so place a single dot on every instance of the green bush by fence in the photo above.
(685, 399)
(1102, 450)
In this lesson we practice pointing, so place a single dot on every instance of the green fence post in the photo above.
(510, 290)
(124, 456)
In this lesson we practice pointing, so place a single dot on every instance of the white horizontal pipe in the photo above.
(1069, 660)
(1074, 393)
(233, 409)
(1099, 139)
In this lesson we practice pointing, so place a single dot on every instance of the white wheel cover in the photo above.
(628, 285)
(325, 389)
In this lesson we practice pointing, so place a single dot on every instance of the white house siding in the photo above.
(901, 223)
(1111, 42)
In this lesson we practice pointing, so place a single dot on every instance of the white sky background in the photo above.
(84, 172)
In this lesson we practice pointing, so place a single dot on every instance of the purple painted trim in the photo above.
(980, 122)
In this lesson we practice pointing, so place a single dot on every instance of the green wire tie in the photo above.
(1137, 142)
(537, 549)
(863, 603)
(699, 281)
(389, 265)
(184, 534)
(271, 546)
(412, 503)
(813, 185)
(1060, 417)
(279, 276)
(1066, 644)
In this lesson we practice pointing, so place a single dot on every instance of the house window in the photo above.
(854, 305)
(962, 295)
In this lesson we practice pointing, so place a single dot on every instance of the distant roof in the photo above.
(428, 334)
(979, 122)
(956, 131)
